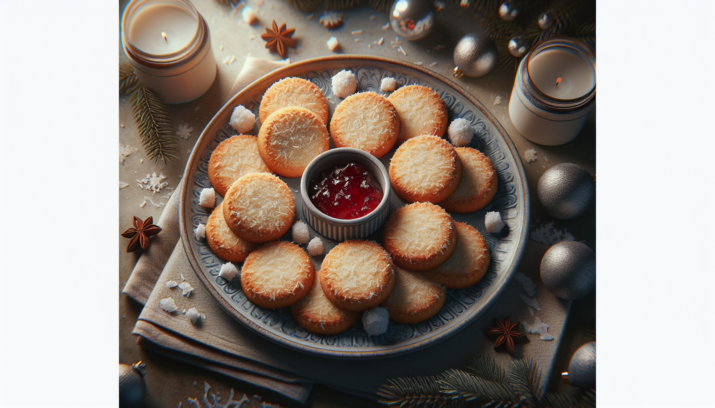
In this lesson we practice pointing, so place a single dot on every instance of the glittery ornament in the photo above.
(509, 10)
(546, 19)
(566, 191)
(568, 270)
(475, 55)
(518, 46)
(412, 19)
(582, 368)
(131, 385)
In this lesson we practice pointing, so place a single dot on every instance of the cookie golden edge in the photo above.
(264, 112)
(477, 201)
(440, 128)
(217, 157)
(400, 314)
(338, 134)
(218, 246)
(283, 299)
(468, 278)
(314, 324)
(439, 193)
(272, 160)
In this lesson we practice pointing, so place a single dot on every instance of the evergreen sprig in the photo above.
(128, 80)
(409, 392)
(460, 384)
(525, 379)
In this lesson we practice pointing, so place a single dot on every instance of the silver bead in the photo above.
(518, 46)
(475, 55)
(412, 19)
(509, 10)
(546, 19)
(131, 385)
(582, 368)
(566, 191)
(568, 270)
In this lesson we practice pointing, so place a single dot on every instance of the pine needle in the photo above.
(305, 5)
(128, 80)
(588, 400)
(560, 401)
(154, 123)
(409, 392)
(380, 5)
(460, 384)
(341, 4)
(485, 367)
(525, 379)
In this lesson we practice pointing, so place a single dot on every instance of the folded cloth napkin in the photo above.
(221, 344)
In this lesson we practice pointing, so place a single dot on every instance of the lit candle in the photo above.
(168, 44)
(561, 73)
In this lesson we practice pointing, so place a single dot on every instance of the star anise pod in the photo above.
(506, 333)
(140, 233)
(279, 38)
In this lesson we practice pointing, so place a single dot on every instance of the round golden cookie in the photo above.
(425, 168)
(420, 236)
(277, 275)
(223, 242)
(365, 121)
(259, 207)
(414, 298)
(233, 158)
(469, 262)
(316, 314)
(291, 138)
(357, 275)
(421, 112)
(294, 92)
(478, 185)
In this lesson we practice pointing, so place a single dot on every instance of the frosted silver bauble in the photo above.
(582, 368)
(412, 19)
(566, 191)
(509, 10)
(475, 55)
(568, 270)
(131, 385)
(546, 19)
(518, 46)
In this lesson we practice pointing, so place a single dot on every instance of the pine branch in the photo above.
(128, 81)
(560, 401)
(380, 5)
(588, 399)
(409, 392)
(591, 329)
(341, 4)
(305, 5)
(155, 127)
(485, 367)
(460, 384)
(525, 379)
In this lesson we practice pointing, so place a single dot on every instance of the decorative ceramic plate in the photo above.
(462, 306)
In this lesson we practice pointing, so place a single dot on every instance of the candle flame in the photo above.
(163, 35)
(558, 81)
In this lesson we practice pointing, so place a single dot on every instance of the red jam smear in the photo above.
(346, 192)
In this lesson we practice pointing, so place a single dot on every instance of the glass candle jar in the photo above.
(554, 91)
(167, 42)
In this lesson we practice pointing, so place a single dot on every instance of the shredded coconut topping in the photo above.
(153, 182)
(277, 269)
(261, 204)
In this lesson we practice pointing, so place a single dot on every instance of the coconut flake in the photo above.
(526, 283)
(538, 327)
(388, 84)
(548, 235)
(242, 119)
(125, 151)
(530, 155)
(171, 284)
(333, 44)
(375, 321)
(315, 247)
(228, 271)
(460, 132)
(122, 185)
(207, 198)
(194, 315)
(344, 84)
(530, 301)
(249, 15)
(186, 289)
(153, 182)
(200, 231)
(168, 305)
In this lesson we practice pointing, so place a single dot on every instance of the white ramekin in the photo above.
(335, 228)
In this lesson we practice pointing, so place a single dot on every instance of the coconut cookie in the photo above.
(277, 275)
(478, 185)
(223, 242)
(259, 207)
(357, 275)
(293, 92)
(469, 262)
(421, 112)
(420, 236)
(414, 298)
(232, 159)
(425, 168)
(290, 139)
(316, 314)
(365, 121)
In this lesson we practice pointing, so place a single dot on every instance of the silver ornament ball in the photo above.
(475, 55)
(568, 270)
(518, 46)
(412, 19)
(566, 191)
(509, 10)
(131, 385)
(582, 368)
(546, 19)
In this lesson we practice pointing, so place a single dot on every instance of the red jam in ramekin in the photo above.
(345, 192)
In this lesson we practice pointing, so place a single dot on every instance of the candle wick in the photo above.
(558, 81)
(163, 34)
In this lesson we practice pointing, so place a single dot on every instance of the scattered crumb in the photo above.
(242, 119)
(301, 234)
(546, 158)
(249, 15)
(380, 41)
(532, 302)
(497, 100)
(372, 17)
(357, 40)
(460, 132)
(153, 183)
(438, 47)
(386, 26)
(161, 203)
(375, 321)
(432, 64)
(182, 276)
(493, 222)
(207, 198)
(122, 185)
(396, 43)
(220, 47)
(538, 327)
(228, 271)
(125, 151)
(184, 131)
(530, 155)
(194, 315)
(310, 16)
(331, 19)
(388, 84)
(168, 305)
(333, 44)
(252, 37)
(315, 247)
(171, 284)
(369, 46)
(141, 161)
(142, 204)
(526, 283)
(400, 49)
(356, 32)
(232, 60)
(419, 63)
(548, 235)
(122, 125)
(225, 60)
(344, 84)
(531, 311)
(197, 108)
(186, 289)
(200, 231)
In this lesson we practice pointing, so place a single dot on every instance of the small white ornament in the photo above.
(344, 84)
(460, 132)
(375, 321)
(242, 119)
(493, 222)
(315, 247)
(301, 234)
